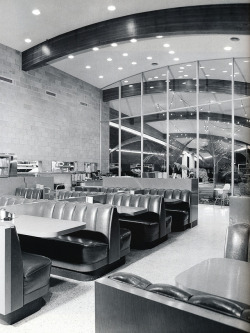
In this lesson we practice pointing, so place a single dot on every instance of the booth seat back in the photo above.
(152, 202)
(6, 200)
(29, 193)
(11, 270)
(237, 242)
(98, 217)
(63, 195)
(167, 308)
(184, 195)
(88, 188)
(102, 189)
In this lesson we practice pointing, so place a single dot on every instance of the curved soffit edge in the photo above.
(208, 19)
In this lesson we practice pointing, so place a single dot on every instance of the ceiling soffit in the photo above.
(209, 19)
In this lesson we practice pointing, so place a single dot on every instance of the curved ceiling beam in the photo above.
(188, 115)
(191, 115)
(209, 19)
(177, 85)
(177, 136)
(173, 145)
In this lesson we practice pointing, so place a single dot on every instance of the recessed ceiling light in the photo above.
(150, 78)
(228, 48)
(212, 69)
(109, 59)
(159, 36)
(133, 40)
(100, 76)
(71, 56)
(171, 52)
(230, 64)
(155, 77)
(151, 87)
(181, 67)
(133, 62)
(163, 74)
(88, 67)
(111, 8)
(176, 59)
(114, 44)
(246, 60)
(125, 54)
(166, 45)
(234, 39)
(224, 71)
(207, 75)
(180, 71)
(95, 48)
(149, 58)
(130, 85)
(36, 12)
(185, 75)
(27, 40)
(180, 77)
(120, 68)
(202, 67)
(125, 81)
(188, 65)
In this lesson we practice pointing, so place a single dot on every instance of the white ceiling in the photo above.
(60, 16)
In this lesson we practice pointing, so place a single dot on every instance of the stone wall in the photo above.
(38, 126)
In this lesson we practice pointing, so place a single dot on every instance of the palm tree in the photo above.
(215, 148)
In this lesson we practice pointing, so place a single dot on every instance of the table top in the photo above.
(45, 227)
(94, 197)
(218, 276)
(132, 211)
(172, 201)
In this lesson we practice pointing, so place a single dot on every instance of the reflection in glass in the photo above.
(144, 106)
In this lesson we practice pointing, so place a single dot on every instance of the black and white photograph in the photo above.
(125, 166)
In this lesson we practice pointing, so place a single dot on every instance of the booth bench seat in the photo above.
(128, 303)
(147, 229)
(25, 278)
(85, 254)
(180, 212)
(6, 200)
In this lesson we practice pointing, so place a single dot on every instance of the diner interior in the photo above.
(124, 166)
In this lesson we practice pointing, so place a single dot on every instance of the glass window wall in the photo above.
(185, 120)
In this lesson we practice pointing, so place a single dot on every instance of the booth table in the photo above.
(222, 277)
(132, 211)
(172, 201)
(45, 227)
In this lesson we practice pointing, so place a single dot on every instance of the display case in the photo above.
(64, 166)
(4, 165)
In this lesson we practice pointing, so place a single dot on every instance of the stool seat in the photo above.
(36, 272)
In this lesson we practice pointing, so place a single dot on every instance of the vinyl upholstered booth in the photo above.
(84, 254)
(147, 228)
(24, 278)
(191, 185)
(126, 303)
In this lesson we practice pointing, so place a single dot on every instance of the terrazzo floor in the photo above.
(70, 304)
